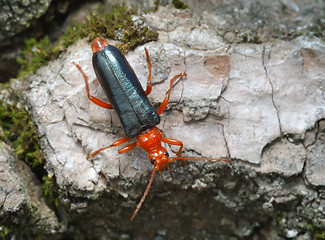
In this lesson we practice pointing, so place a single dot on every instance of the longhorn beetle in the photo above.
(137, 115)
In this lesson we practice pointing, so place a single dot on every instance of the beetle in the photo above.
(137, 115)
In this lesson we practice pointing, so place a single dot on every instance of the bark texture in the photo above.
(262, 105)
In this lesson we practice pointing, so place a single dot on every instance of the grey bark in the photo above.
(262, 105)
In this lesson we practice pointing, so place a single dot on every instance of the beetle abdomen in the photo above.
(124, 91)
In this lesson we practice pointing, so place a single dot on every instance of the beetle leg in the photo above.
(127, 148)
(166, 100)
(149, 84)
(116, 143)
(172, 141)
(92, 98)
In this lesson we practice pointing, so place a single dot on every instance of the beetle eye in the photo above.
(166, 154)
(152, 160)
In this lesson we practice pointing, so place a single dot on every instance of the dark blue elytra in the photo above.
(124, 91)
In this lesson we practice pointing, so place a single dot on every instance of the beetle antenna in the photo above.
(172, 159)
(144, 195)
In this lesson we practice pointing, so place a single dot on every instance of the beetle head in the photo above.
(98, 44)
(159, 158)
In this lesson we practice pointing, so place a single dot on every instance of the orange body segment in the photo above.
(98, 44)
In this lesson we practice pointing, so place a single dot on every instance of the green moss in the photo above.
(319, 29)
(320, 235)
(179, 4)
(317, 232)
(2, 136)
(5, 232)
(48, 184)
(35, 55)
(20, 131)
(116, 23)
(310, 227)
(248, 39)
(156, 2)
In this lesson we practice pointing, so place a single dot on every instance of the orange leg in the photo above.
(172, 141)
(127, 148)
(116, 143)
(149, 84)
(166, 100)
(92, 98)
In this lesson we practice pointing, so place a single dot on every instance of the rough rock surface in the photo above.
(261, 105)
(21, 201)
(16, 16)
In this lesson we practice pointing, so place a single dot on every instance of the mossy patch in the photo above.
(48, 190)
(317, 232)
(248, 39)
(319, 29)
(116, 23)
(20, 131)
(5, 232)
(179, 4)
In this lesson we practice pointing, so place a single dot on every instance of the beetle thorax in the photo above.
(150, 141)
